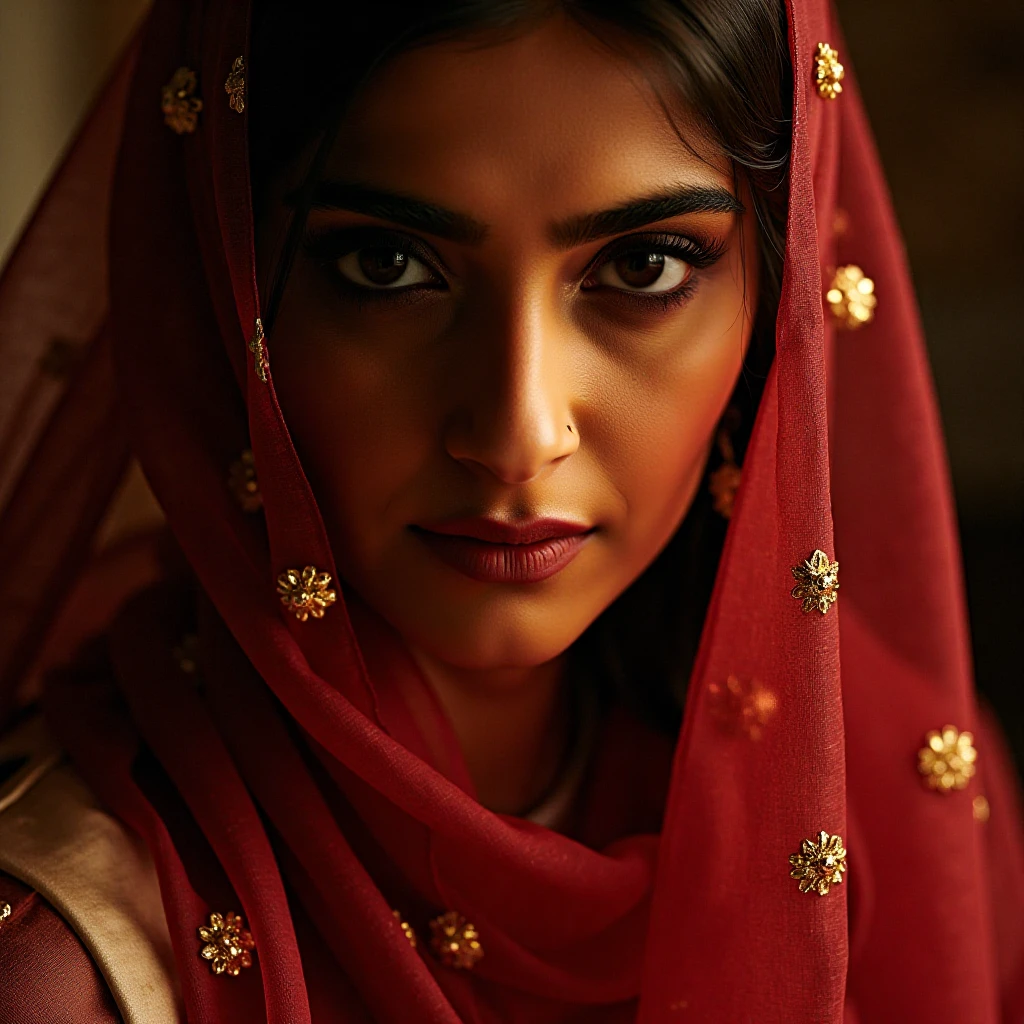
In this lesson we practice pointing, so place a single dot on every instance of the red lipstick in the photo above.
(492, 551)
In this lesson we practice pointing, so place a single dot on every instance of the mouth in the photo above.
(491, 551)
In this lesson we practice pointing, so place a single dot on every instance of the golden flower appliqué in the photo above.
(947, 762)
(828, 72)
(817, 581)
(306, 593)
(851, 297)
(228, 946)
(455, 941)
(741, 705)
(234, 86)
(259, 352)
(179, 102)
(820, 864)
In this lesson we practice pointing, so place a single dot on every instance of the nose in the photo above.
(512, 394)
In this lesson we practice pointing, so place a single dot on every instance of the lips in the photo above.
(491, 551)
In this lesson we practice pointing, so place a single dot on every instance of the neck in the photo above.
(512, 725)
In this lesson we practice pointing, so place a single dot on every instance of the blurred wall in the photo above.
(54, 55)
(945, 94)
(948, 115)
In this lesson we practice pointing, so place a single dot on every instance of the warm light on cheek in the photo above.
(369, 392)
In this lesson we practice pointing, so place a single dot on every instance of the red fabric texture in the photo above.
(49, 977)
(294, 786)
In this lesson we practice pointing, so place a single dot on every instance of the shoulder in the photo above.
(48, 974)
(86, 927)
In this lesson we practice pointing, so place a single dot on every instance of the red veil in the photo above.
(293, 784)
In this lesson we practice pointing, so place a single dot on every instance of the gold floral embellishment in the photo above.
(948, 760)
(742, 705)
(455, 941)
(306, 593)
(243, 484)
(406, 928)
(851, 297)
(180, 104)
(259, 352)
(828, 72)
(228, 945)
(817, 581)
(235, 85)
(5, 911)
(819, 864)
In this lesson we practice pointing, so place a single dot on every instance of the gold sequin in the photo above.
(741, 705)
(180, 104)
(235, 85)
(243, 484)
(947, 762)
(306, 593)
(828, 72)
(851, 297)
(817, 582)
(259, 352)
(5, 911)
(455, 941)
(406, 928)
(228, 945)
(819, 865)
(981, 809)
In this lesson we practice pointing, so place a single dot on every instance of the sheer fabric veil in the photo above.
(294, 784)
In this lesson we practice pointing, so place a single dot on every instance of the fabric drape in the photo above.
(290, 779)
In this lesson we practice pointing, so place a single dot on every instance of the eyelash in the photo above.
(699, 252)
(326, 246)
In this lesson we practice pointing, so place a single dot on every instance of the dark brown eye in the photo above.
(644, 270)
(383, 267)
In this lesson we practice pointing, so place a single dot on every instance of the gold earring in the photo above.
(725, 481)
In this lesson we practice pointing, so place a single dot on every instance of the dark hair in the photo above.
(728, 60)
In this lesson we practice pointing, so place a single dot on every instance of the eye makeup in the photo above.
(328, 246)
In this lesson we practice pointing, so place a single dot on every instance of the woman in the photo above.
(460, 699)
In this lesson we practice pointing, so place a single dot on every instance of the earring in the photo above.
(725, 481)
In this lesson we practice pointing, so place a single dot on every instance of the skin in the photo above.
(519, 377)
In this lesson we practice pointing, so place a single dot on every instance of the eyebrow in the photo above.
(423, 215)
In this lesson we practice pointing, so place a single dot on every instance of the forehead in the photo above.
(547, 121)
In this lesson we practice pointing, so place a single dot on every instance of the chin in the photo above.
(491, 642)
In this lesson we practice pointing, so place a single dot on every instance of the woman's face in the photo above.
(520, 296)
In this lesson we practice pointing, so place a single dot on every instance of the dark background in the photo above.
(944, 89)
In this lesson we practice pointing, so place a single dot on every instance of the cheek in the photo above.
(357, 421)
(368, 426)
(654, 431)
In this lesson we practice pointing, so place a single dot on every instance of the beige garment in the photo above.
(55, 838)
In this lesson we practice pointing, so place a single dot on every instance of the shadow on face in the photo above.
(520, 295)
